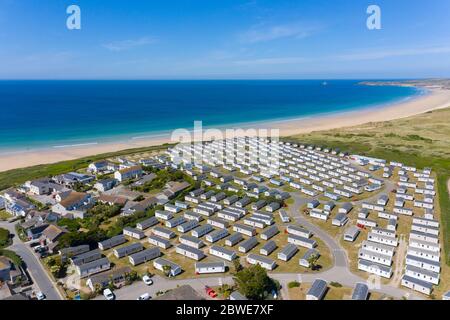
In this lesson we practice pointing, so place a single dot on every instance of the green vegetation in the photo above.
(421, 141)
(5, 238)
(56, 266)
(293, 284)
(335, 284)
(254, 283)
(162, 177)
(4, 215)
(11, 255)
(16, 176)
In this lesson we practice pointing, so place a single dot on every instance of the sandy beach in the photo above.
(435, 99)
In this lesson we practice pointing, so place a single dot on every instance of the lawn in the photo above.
(4, 215)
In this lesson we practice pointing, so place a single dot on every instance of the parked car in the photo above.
(147, 280)
(109, 295)
(144, 296)
(40, 296)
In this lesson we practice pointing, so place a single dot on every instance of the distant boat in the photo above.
(324, 83)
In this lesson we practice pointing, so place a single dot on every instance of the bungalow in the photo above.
(112, 200)
(163, 232)
(287, 252)
(112, 242)
(191, 241)
(144, 256)
(304, 260)
(96, 266)
(159, 242)
(147, 223)
(105, 184)
(268, 248)
(127, 250)
(210, 267)
(51, 234)
(133, 233)
(264, 262)
(317, 290)
(100, 281)
(133, 172)
(248, 245)
(161, 263)
(223, 253)
(233, 239)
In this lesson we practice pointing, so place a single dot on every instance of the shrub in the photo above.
(293, 284)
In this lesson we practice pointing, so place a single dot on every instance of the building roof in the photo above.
(318, 288)
(360, 292)
(131, 169)
(52, 232)
(113, 199)
(73, 198)
(107, 275)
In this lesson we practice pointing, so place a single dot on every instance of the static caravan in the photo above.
(422, 274)
(383, 232)
(351, 233)
(378, 248)
(248, 245)
(366, 222)
(426, 222)
(96, 266)
(127, 250)
(391, 241)
(159, 242)
(268, 248)
(86, 257)
(388, 215)
(172, 208)
(264, 262)
(143, 225)
(345, 208)
(417, 235)
(284, 216)
(144, 256)
(340, 219)
(133, 233)
(223, 253)
(163, 215)
(219, 223)
(361, 291)
(209, 267)
(163, 232)
(379, 258)
(302, 241)
(216, 235)
(317, 290)
(254, 223)
(426, 264)
(160, 263)
(304, 260)
(190, 215)
(425, 229)
(421, 244)
(245, 230)
(319, 214)
(392, 225)
(188, 226)
(202, 230)
(298, 231)
(425, 254)
(269, 232)
(375, 268)
(172, 223)
(287, 252)
(112, 242)
(191, 241)
(190, 252)
(233, 239)
(404, 211)
(417, 285)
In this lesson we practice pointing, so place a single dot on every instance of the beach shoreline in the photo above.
(434, 99)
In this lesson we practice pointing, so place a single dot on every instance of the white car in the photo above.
(109, 295)
(145, 296)
(40, 296)
(147, 280)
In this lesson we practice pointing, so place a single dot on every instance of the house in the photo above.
(248, 245)
(268, 248)
(39, 187)
(127, 250)
(18, 207)
(317, 290)
(75, 203)
(304, 260)
(340, 219)
(190, 252)
(101, 166)
(144, 256)
(112, 200)
(100, 281)
(351, 233)
(223, 253)
(112, 242)
(210, 267)
(287, 252)
(361, 291)
(133, 172)
(105, 184)
(133, 233)
(36, 231)
(51, 234)
(161, 263)
(159, 242)
(264, 262)
(96, 266)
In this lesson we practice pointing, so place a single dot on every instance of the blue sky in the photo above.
(216, 39)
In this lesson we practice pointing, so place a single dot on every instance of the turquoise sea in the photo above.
(52, 114)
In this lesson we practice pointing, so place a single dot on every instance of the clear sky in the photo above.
(192, 39)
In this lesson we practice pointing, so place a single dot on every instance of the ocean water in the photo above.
(55, 114)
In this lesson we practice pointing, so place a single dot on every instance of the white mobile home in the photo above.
(190, 252)
(216, 235)
(375, 268)
(248, 245)
(287, 252)
(160, 263)
(304, 260)
(163, 232)
(223, 253)
(302, 241)
(133, 233)
(209, 267)
(264, 262)
(268, 248)
(417, 285)
(159, 242)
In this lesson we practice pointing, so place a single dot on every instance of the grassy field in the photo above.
(421, 141)
(4, 215)
(17, 176)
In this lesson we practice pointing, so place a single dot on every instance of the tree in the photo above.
(254, 283)
(167, 270)
(312, 259)
(237, 265)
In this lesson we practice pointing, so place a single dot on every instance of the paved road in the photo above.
(34, 266)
